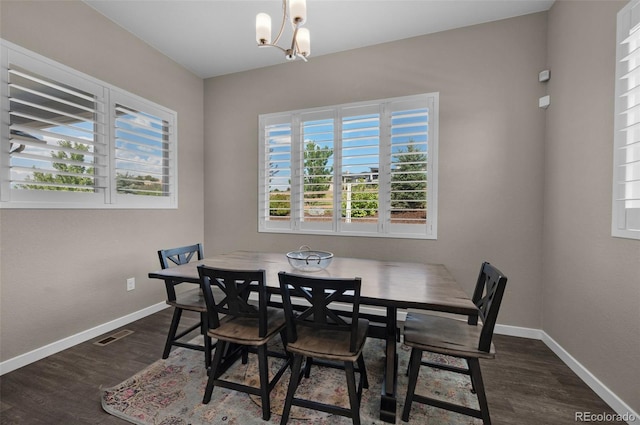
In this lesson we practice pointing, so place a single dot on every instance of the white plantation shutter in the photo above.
(366, 168)
(410, 167)
(275, 172)
(145, 150)
(56, 145)
(71, 141)
(317, 132)
(360, 168)
(626, 179)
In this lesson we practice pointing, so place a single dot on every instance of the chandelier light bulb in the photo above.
(304, 42)
(298, 11)
(263, 28)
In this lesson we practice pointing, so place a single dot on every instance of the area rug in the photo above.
(169, 392)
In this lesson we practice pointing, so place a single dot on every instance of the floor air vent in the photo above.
(111, 338)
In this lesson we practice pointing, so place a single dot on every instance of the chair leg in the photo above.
(363, 372)
(204, 330)
(173, 328)
(293, 385)
(307, 367)
(478, 385)
(416, 356)
(263, 368)
(217, 361)
(353, 396)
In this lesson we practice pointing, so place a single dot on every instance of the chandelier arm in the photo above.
(272, 45)
(284, 21)
(294, 41)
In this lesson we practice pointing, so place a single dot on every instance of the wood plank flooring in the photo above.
(525, 384)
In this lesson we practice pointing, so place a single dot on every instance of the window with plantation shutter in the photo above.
(367, 169)
(626, 178)
(143, 150)
(71, 141)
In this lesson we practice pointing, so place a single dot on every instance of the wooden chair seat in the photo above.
(444, 335)
(329, 344)
(245, 330)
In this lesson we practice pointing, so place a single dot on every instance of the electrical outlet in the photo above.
(131, 284)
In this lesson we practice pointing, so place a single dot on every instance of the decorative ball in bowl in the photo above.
(309, 260)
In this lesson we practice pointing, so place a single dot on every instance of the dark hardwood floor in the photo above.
(525, 384)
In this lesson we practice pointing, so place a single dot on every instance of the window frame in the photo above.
(107, 95)
(383, 227)
(625, 221)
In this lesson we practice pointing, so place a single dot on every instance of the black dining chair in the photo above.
(464, 339)
(324, 336)
(244, 325)
(189, 300)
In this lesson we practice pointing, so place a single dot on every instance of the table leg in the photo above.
(390, 379)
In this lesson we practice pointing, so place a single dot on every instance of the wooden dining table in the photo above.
(387, 287)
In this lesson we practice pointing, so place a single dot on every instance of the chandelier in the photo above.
(296, 11)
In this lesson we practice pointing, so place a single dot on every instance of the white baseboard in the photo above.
(609, 397)
(619, 406)
(518, 331)
(57, 346)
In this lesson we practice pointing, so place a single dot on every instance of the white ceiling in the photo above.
(216, 37)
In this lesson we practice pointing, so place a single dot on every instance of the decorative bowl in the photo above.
(309, 260)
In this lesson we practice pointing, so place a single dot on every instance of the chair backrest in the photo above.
(237, 286)
(320, 293)
(178, 256)
(181, 255)
(488, 297)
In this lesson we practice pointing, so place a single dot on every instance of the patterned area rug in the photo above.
(169, 392)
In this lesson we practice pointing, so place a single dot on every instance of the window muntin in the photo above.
(626, 179)
(71, 141)
(356, 169)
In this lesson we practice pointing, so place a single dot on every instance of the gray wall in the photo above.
(64, 271)
(591, 289)
(491, 149)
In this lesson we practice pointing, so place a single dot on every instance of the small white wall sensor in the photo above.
(544, 76)
(544, 102)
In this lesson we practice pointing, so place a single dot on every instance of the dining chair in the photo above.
(244, 325)
(324, 336)
(464, 339)
(190, 300)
